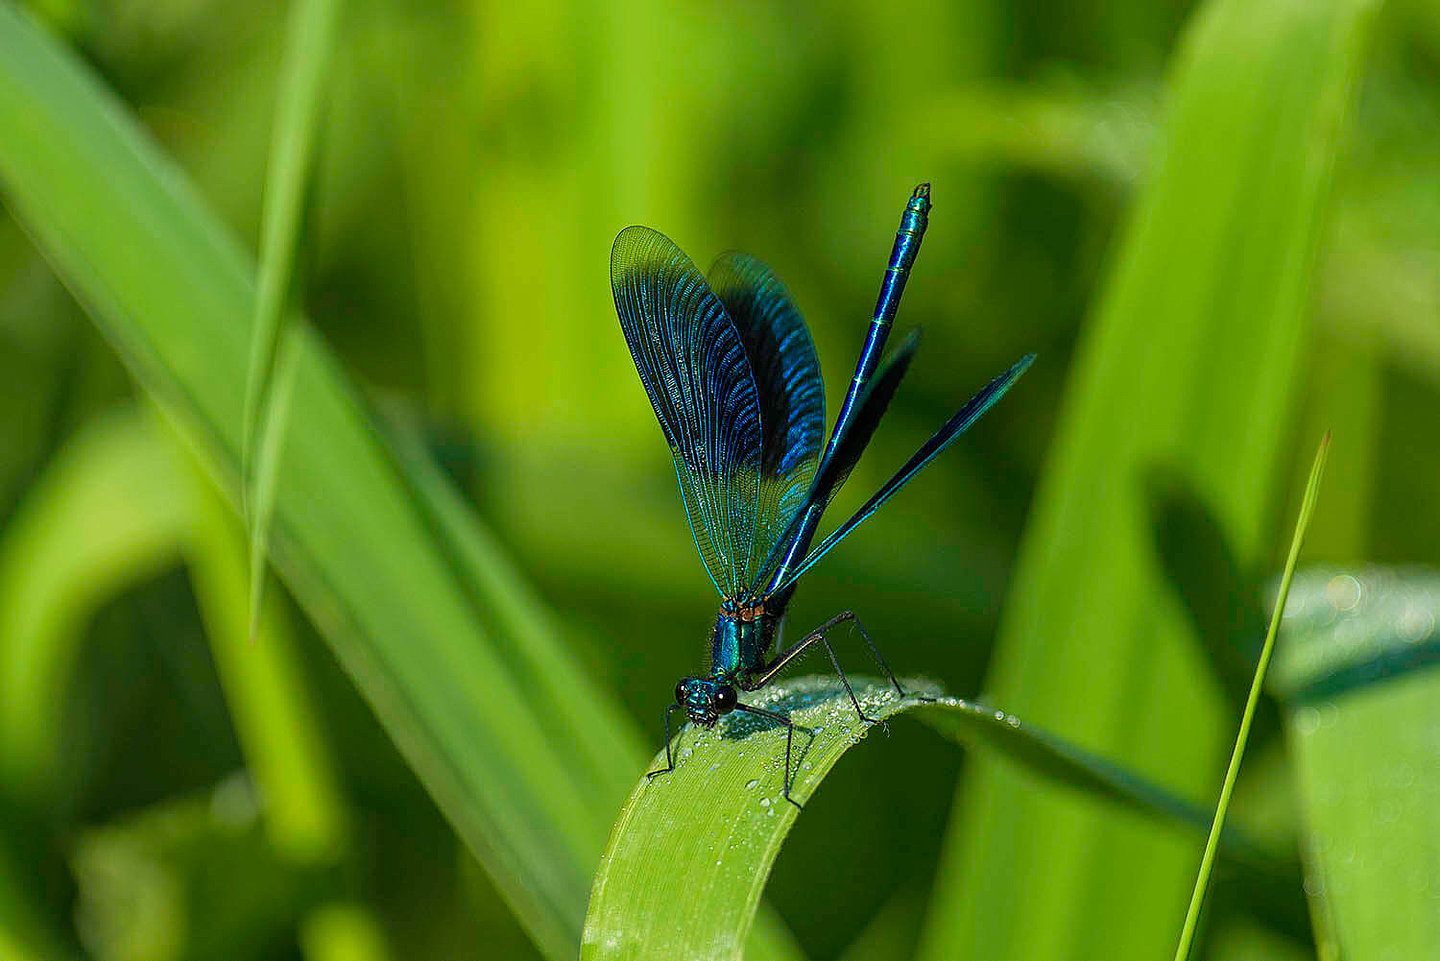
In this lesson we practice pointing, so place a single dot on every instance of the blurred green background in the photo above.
(475, 162)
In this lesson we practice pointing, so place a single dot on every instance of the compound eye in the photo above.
(680, 693)
(725, 699)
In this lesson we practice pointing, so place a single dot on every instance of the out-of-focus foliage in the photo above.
(1189, 366)
(1361, 713)
(477, 160)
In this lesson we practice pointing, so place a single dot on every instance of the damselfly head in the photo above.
(705, 700)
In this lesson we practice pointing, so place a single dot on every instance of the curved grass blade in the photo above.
(309, 50)
(98, 519)
(1207, 860)
(103, 516)
(666, 890)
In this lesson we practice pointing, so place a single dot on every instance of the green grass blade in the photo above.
(264, 685)
(1222, 600)
(666, 890)
(310, 45)
(99, 519)
(261, 483)
(1212, 843)
(1356, 672)
(174, 295)
(1189, 364)
(24, 932)
(309, 49)
(104, 516)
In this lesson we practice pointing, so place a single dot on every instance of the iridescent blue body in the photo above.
(732, 374)
(740, 645)
(902, 257)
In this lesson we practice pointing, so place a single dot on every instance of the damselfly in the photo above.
(732, 374)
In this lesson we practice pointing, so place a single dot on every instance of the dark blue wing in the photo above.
(841, 456)
(792, 396)
(852, 443)
(694, 367)
(974, 408)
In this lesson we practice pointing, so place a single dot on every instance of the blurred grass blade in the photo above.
(1357, 673)
(667, 890)
(24, 932)
(113, 509)
(264, 685)
(890, 934)
(173, 293)
(1040, 752)
(342, 932)
(309, 49)
(105, 515)
(597, 728)
(1222, 600)
(261, 484)
(1207, 860)
(305, 814)
(1188, 364)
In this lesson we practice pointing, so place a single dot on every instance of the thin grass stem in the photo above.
(1212, 843)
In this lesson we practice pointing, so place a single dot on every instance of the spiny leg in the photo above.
(783, 660)
(789, 740)
(669, 757)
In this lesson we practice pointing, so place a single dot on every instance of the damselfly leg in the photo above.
(669, 756)
(789, 741)
(818, 636)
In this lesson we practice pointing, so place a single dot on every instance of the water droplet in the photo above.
(1415, 623)
(1307, 720)
(764, 802)
(751, 784)
(1344, 592)
(686, 751)
(1387, 811)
